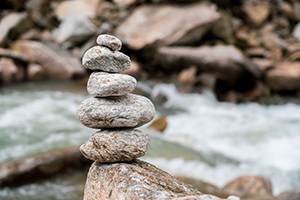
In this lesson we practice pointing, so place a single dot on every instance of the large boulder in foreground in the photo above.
(136, 180)
(163, 25)
(225, 60)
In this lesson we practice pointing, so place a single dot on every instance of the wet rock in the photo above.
(116, 145)
(187, 24)
(102, 84)
(74, 29)
(8, 70)
(112, 112)
(289, 195)
(102, 58)
(226, 60)
(41, 166)
(87, 8)
(35, 72)
(249, 186)
(159, 124)
(57, 64)
(109, 41)
(12, 25)
(256, 13)
(137, 180)
(284, 77)
(259, 91)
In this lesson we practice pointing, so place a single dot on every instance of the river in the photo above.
(205, 139)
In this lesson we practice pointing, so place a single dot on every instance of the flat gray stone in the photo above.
(129, 110)
(104, 59)
(103, 84)
(109, 41)
(116, 145)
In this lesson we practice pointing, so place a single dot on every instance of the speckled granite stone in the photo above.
(102, 84)
(112, 112)
(104, 59)
(116, 145)
(109, 41)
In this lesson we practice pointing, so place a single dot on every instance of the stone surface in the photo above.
(102, 58)
(74, 29)
(162, 25)
(116, 145)
(8, 70)
(112, 112)
(37, 167)
(102, 84)
(109, 41)
(249, 186)
(35, 72)
(12, 25)
(226, 60)
(14, 55)
(256, 13)
(296, 32)
(57, 63)
(188, 75)
(159, 124)
(289, 195)
(137, 180)
(284, 77)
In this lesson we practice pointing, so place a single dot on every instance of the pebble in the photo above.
(129, 110)
(103, 59)
(102, 84)
(116, 145)
(109, 41)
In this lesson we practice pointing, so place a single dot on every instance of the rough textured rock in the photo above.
(289, 195)
(8, 70)
(102, 58)
(74, 29)
(256, 13)
(14, 55)
(249, 186)
(116, 145)
(112, 112)
(137, 180)
(12, 25)
(284, 77)
(102, 84)
(163, 25)
(109, 41)
(57, 64)
(226, 60)
(40, 166)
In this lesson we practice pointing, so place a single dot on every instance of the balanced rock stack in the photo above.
(113, 109)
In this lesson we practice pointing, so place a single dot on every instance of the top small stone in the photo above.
(109, 41)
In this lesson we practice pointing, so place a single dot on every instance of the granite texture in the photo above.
(137, 180)
(104, 59)
(109, 41)
(112, 112)
(116, 145)
(102, 84)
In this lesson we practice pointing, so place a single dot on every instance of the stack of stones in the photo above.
(113, 109)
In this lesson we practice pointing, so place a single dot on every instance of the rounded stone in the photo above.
(103, 84)
(109, 41)
(116, 145)
(104, 59)
(129, 110)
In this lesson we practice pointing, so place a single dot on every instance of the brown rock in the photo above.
(223, 29)
(137, 180)
(275, 54)
(188, 76)
(40, 166)
(12, 25)
(116, 145)
(263, 64)
(249, 186)
(259, 91)
(226, 60)
(270, 40)
(160, 25)
(289, 195)
(57, 63)
(284, 77)
(286, 9)
(256, 52)
(35, 72)
(14, 55)
(208, 80)
(256, 13)
(8, 70)
(160, 124)
(230, 96)
(135, 70)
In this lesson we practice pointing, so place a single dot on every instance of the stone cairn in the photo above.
(113, 109)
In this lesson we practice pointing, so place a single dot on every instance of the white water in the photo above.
(264, 140)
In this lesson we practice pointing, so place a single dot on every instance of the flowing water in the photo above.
(205, 139)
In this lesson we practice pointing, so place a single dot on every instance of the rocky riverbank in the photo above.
(243, 50)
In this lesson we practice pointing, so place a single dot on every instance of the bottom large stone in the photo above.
(116, 145)
(137, 180)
